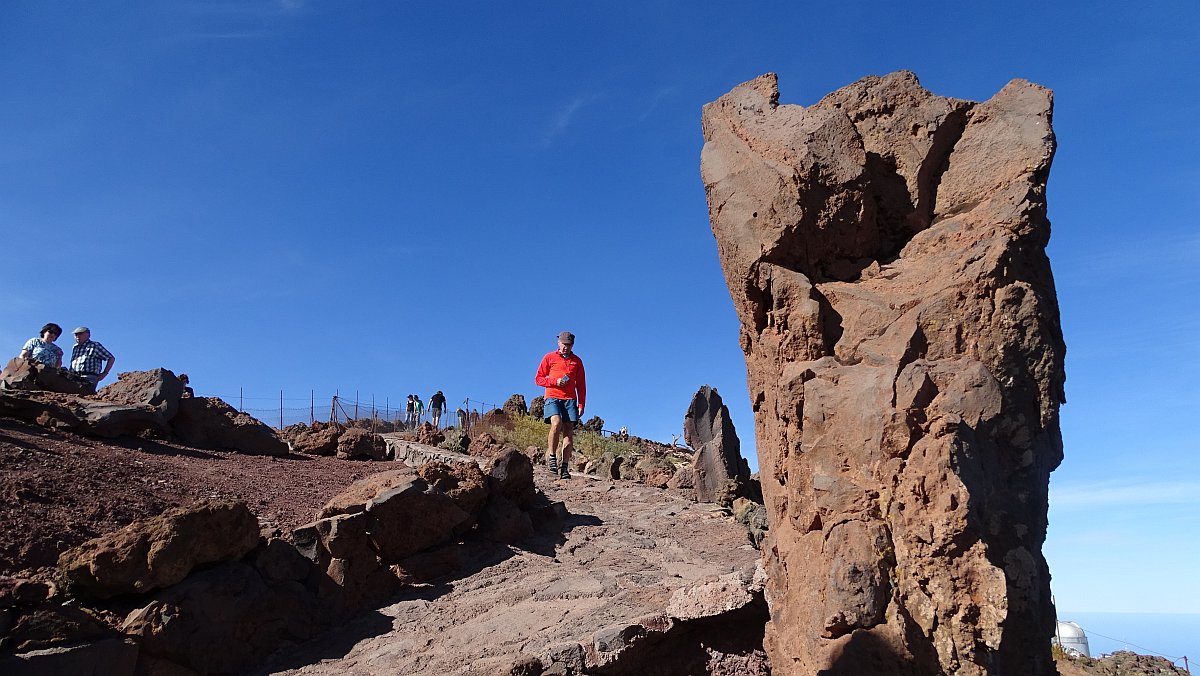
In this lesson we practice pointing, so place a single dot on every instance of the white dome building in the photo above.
(1071, 638)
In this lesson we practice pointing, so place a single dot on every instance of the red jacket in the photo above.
(555, 366)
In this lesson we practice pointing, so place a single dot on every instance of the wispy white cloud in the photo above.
(1122, 493)
(562, 119)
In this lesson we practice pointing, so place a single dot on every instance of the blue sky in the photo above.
(389, 197)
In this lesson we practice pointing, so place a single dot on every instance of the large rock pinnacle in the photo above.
(885, 251)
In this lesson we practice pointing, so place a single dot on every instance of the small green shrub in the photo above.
(524, 431)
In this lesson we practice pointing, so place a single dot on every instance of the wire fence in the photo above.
(379, 414)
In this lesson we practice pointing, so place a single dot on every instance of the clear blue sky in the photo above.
(395, 197)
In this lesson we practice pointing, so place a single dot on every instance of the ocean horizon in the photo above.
(1170, 635)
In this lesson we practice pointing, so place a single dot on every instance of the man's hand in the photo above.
(563, 381)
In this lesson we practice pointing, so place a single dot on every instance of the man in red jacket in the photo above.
(561, 373)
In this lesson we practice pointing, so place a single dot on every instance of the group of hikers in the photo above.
(414, 410)
(90, 361)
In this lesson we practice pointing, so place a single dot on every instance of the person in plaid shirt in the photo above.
(90, 359)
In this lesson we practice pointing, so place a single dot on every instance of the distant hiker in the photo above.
(561, 373)
(43, 349)
(437, 406)
(419, 409)
(187, 391)
(409, 409)
(90, 359)
(462, 419)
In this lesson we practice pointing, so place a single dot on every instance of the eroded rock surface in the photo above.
(885, 251)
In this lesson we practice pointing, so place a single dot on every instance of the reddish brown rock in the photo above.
(360, 443)
(510, 473)
(208, 422)
(160, 551)
(429, 435)
(158, 388)
(885, 250)
(464, 482)
(411, 517)
(356, 496)
(318, 439)
(26, 374)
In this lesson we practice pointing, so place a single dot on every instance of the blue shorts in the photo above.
(566, 409)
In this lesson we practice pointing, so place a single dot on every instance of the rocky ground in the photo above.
(628, 554)
(59, 489)
(631, 568)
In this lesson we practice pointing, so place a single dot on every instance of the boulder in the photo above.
(411, 517)
(718, 460)
(594, 424)
(429, 435)
(48, 625)
(356, 496)
(464, 483)
(537, 407)
(356, 443)
(82, 415)
(342, 549)
(208, 422)
(24, 374)
(224, 620)
(160, 551)
(655, 470)
(885, 252)
(515, 406)
(511, 474)
(318, 439)
(158, 388)
(484, 445)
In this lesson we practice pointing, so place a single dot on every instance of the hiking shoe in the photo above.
(563, 473)
(553, 463)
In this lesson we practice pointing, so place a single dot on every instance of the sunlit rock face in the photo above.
(885, 251)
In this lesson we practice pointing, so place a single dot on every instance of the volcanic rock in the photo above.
(537, 407)
(708, 429)
(515, 406)
(359, 443)
(510, 473)
(158, 388)
(318, 439)
(356, 496)
(209, 422)
(885, 250)
(463, 482)
(429, 435)
(411, 517)
(25, 374)
(224, 620)
(160, 551)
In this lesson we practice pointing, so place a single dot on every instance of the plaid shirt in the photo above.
(87, 356)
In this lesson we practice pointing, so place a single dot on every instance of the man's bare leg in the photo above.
(568, 443)
(554, 437)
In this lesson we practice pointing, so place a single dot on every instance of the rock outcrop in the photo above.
(159, 552)
(721, 471)
(208, 422)
(885, 251)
